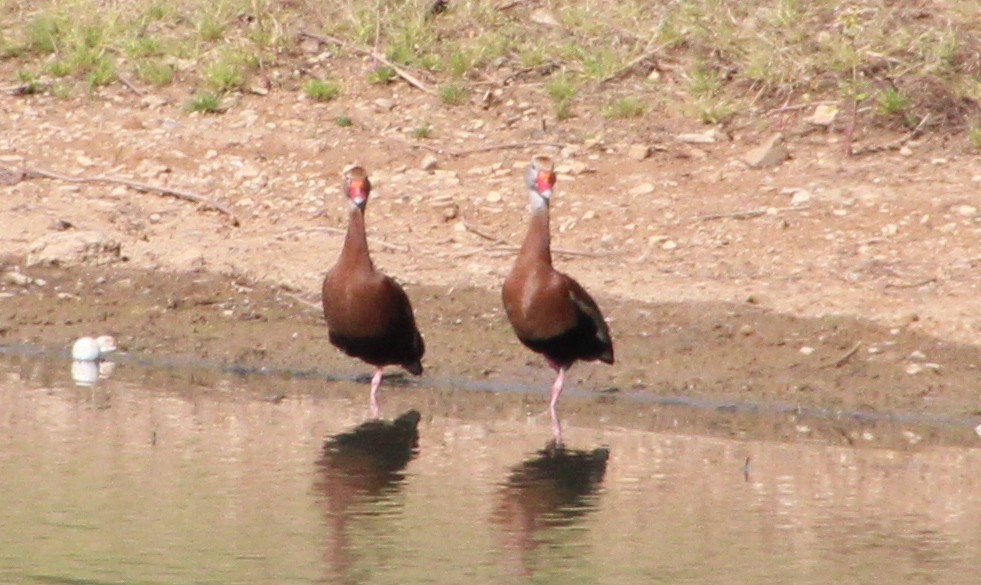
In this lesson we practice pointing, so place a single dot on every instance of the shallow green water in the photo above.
(152, 477)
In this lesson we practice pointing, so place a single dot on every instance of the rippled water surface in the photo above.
(190, 477)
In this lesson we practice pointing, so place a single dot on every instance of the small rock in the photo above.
(769, 154)
(906, 151)
(977, 430)
(914, 369)
(800, 197)
(385, 104)
(153, 101)
(807, 350)
(429, 163)
(669, 245)
(967, 210)
(16, 278)
(589, 215)
(638, 151)
(938, 161)
(543, 17)
(73, 248)
(824, 115)
(912, 437)
(310, 46)
(917, 355)
(84, 161)
(493, 197)
(708, 137)
(890, 229)
(642, 189)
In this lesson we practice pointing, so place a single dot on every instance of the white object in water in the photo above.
(89, 349)
(85, 372)
(86, 349)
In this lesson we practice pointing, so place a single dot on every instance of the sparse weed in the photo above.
(561, 88)
(144, 46)
(226, 74)
(974, 137)
(893, 102)
(453, 94)
(381, 75)
(29, 82)
(422, 132)
(103, 72)
(344, 121)
(211, 28)
(205, 103)
(321, 91)
(154, 72)
(44, 34)
(624, 108)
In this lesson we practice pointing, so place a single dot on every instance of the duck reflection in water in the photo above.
(546, 493)
(359, 476)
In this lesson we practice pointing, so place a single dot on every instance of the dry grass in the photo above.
(717, 61)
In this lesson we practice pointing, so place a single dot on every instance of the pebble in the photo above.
(642, 189)
(807, 350)
(16, 278)
(890, 229)
(429, 163)
(708, 137)
(770, 153)
(824, 115)
(494, 197)
(669, 245)
(800, 197)
(638, 152)
(967, 210)
(385, 104)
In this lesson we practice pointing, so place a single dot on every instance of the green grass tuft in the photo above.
(624, 108)
(343, 121)
(321, 91)
(154, 72)
(422, 132)
(453, 94)
(381, 75)
(205, 103)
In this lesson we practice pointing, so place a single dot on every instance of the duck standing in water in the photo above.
(368, 314)
(550, 312)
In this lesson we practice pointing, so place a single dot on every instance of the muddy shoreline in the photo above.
(781, 369)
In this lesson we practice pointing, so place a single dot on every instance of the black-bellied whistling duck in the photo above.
(368, 314)
(549, 311)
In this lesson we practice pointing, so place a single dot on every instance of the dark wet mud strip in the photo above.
(721, 361)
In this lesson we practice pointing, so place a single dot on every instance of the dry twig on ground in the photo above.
(30, 173)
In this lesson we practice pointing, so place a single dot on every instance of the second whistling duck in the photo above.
(368, 314)
(550, 312)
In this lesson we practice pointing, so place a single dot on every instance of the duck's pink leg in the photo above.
(376, 381)
(556, 391)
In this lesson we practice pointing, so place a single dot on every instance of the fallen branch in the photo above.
(29, 173)
(303, 301)
(749, 214)
(848, 355)
(504, 245)
(647, 54)
(790, 108)
(917, 284)
(129, 85)
(340, 231)
(506, 146)
(408, 77)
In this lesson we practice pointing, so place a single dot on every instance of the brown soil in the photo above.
(863, 298)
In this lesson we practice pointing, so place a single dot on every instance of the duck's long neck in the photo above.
(355, 249)
(537, 245)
